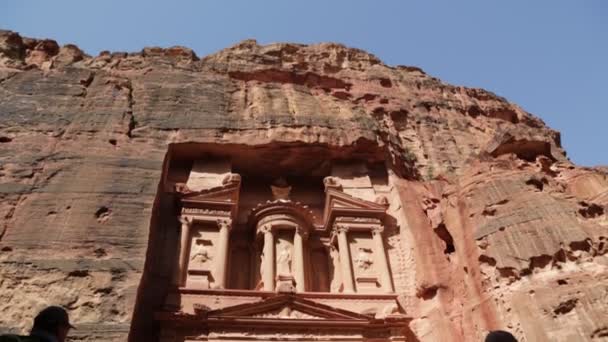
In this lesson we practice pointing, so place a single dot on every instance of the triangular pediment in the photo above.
(286, 312)
(287, 307)
(340, 202)
(228, 193)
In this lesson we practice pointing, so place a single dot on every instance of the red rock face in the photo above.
(497, 228)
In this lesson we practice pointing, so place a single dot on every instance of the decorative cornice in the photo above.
(206, 212)
(287, 210)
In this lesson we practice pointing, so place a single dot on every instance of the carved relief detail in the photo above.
(331, 182)
(378, 230)
(265, 228)
(204, 211)
(201, 252)
(224, 223)
(280, 190)
(382, 200)
(302, 232)
(336, 276)
(286, 313)
(284, 261)
(364, 260)
(340, 228)
(185, 220)
(357, 219)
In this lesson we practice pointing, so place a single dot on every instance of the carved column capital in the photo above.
(265, 228)
(302, 232)
(378, 230)
(341, 228)
(224, 223)
(185, 220)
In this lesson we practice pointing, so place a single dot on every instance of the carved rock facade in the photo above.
(320, 150)
(274, 252)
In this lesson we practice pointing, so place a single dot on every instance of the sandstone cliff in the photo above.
(500, 230)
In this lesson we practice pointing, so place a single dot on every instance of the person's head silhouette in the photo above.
(500, 336)
(52, 322)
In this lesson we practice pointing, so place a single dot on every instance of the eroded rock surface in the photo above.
(498, 228)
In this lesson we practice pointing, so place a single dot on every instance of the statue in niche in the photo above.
(260, 283)
(364, 259)
(201, 254)
(284, 261)
(280, 189)
(335, 275)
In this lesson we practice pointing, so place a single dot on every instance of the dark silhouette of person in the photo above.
(52, 324)
(500, 336)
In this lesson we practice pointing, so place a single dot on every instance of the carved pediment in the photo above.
(286, 312)
(222, 198)
(224, 193)
(287, 307)
(338, 203)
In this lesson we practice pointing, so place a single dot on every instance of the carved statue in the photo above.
(262, 258)
(364, 259)
(284, 261)
(336, 276)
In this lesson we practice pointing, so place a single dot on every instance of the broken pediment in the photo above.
(338, 203)
(224, 197)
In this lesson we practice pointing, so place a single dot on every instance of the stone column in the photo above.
(298, 246)
(222, 253)
(347, 272)
(268, 266)
(385, 273)
(180, 277)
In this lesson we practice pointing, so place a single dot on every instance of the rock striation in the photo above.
(498, 229)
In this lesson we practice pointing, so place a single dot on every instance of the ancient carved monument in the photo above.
(286, 192)
(264, 259)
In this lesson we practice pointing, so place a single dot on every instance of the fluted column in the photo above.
(268, 266)
(186, 224)
(345, 264)
(385, 273)
(298, 245)
(222, 253)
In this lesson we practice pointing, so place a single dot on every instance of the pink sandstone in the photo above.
(486, 223)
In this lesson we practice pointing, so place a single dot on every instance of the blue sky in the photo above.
(548, 56)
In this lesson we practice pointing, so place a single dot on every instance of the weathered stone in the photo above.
(488, 224)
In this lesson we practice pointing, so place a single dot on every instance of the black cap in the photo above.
(53, 316)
